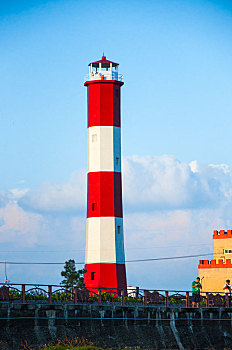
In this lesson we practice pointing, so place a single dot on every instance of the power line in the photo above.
(126, 261)
(170, 258)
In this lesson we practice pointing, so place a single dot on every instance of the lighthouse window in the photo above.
(94, 138)
(117, 160)
(119, 229)
(92, 276)
(94, 206)
(228, 251)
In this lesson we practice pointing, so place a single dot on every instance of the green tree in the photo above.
(72, 277)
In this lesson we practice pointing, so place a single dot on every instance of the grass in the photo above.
(74, 343)
(61, 347)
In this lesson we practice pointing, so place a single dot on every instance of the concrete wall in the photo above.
(115, 326)
(214, 279)
(214, 273)
(219, 247)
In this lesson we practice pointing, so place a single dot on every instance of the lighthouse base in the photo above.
(106, 276)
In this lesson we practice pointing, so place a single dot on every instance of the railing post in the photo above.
(75, 295)
(166, 299)
(227, 300)
(99, 296)
(49, 294)
(23, 293)
(207, 299)
(145, 298)
(187, 299)
(122, 297)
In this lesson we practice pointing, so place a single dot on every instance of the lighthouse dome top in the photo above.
(103, 70)
(104, 63)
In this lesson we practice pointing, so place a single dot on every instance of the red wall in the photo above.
(104, 189)
(104, 103)
(106, 276)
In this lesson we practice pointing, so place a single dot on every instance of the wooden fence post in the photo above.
(122, 297)
(49, 294)
(23, 293)
(187, 299)
(166, 299)
(207, 299)
(75, 295)
(99, 296)
(145, 298)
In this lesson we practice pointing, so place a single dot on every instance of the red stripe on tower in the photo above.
(104, 103)
(104, 196)
(105, 256)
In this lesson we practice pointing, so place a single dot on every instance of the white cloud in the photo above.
(4, 198)
(170, 208)
(166, 183)
(149, 183)
(59, 197)
(16, 224)
(11, 196)
(194, 166)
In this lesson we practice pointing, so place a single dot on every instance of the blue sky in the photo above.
(176, 120)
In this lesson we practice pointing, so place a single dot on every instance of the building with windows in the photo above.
(214, 273)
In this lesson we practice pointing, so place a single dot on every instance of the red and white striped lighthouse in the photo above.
(105, 256)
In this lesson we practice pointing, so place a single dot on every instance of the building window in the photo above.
(92, 276)
(94, 138)
(94, 206)
(227, 251)
(119, 229)
(117, 160)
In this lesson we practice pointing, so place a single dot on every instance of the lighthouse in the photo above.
(105, 256)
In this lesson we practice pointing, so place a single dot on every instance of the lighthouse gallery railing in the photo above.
(102, 76)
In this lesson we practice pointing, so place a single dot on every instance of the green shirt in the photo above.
(195, 290)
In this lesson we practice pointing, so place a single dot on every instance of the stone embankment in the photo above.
(115, 326)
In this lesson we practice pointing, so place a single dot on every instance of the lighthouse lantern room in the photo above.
(105, 256)
(103, 69)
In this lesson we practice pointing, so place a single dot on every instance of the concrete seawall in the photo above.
(115, 326)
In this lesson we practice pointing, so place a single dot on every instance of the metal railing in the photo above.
(102, 76)
(35, 293)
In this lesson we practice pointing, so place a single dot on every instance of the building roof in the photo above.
(104, 63)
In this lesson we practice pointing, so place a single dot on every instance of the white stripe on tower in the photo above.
(104, 148)
(104, 241)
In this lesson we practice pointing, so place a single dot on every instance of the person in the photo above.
(196, 287)
(227, 288)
